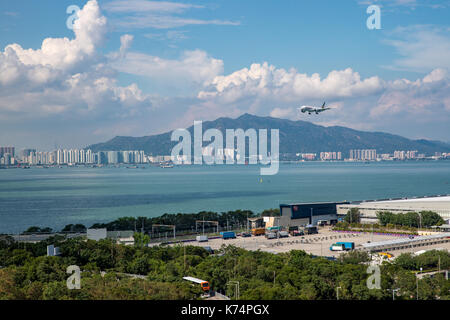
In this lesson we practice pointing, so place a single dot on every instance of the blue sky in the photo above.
(153, 66)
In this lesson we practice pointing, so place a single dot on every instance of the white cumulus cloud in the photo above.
(66, 75)
(193, 66)
(289, 85)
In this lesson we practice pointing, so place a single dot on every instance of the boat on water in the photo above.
(166, 165)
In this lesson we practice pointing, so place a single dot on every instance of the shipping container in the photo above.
(347, 245)
(258, 231)
(228, 235)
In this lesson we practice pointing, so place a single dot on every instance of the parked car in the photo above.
(202, 238)
(271, 235)
(246, 234)
(311, 229)
(209, 249)
(283, 234)
(297, 233)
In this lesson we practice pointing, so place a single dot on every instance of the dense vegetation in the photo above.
(407, 223)
(353, 216)
(28, 274)
(182, 221)
(411, 219)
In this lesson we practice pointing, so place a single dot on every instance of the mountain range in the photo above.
(295, 137)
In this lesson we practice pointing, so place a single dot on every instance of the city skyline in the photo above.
(87, 156)
(149, 67)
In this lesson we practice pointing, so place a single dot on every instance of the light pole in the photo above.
(236, 288)
(371, 239)
(393, 293)
(420, 220)
(337, 292)
(417, 285)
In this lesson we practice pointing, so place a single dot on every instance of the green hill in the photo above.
(295, 137)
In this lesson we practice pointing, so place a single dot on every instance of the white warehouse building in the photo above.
(369, 209)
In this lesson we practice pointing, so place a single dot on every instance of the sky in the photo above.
(71, 78)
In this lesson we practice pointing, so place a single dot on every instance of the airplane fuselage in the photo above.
(310, 109)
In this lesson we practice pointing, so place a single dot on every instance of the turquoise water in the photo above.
(55, 197)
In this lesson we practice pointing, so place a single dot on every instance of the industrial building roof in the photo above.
(404, 240)
(440, 204)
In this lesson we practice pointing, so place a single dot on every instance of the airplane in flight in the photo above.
(311, 109)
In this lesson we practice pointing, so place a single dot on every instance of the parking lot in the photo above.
(316, 244)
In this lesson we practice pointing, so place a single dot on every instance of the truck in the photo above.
(228, 235)
(258, 231)
(309, 229)
(202, 238)
(322, 223)
(336, 247)
(346, 245)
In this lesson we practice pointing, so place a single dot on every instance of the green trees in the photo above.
(141, 240)
(430, 218)
(29, 274)
(411, 219)
(270, 213)
(182, 221)
(353, 216)
(74, 228)
(354, 257)
(35, 229)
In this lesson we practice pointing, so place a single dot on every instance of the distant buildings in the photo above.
(7, 156)
(33, 157)
(330, 156)
(403, 155)
(307, 156)
(9, 150)
(363, 154)
(72, 157)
